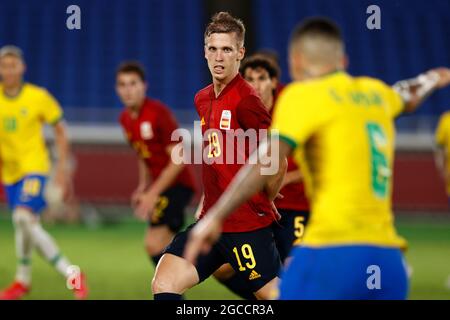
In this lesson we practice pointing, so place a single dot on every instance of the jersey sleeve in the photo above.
(51, 111)
(442, 128)
(251, 114)
(394, 101)
(299, 114)
(167, 125)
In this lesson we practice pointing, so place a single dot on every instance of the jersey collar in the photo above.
(227, 88)
(14, 96)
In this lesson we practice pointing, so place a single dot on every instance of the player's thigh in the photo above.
(206, 264)
(253, 255)
(174, 274)
(170, 208)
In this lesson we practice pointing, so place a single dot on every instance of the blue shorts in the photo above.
(345, 272)
(28, 193)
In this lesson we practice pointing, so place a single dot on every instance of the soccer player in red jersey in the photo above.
(262, 73)
(247, 243)
(165, 188)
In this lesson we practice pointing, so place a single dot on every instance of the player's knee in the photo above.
(22, 217)
(173, 275)
(161, 284)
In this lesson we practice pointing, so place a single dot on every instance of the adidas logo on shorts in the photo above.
(254, 275)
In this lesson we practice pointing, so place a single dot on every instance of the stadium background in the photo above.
(78, 66)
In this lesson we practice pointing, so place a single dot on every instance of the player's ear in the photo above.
(241, 53)
(345, 62)
(274, 83)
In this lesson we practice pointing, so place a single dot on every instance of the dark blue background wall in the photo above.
(414, 36)
(167, 36)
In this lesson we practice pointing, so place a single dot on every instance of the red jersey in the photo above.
(237, 107)
(294, 193)
(149, 134)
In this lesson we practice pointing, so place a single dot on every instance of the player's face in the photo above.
(11, 70)
(224, 54)
(264, 85)
(131, 89)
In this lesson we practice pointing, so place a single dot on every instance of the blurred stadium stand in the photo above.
(78, 67)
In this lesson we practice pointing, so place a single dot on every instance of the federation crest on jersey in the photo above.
(225, 120)
(146, 130)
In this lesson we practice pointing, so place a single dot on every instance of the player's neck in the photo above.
(219, 85)
(136, 109)
(269, 103)
(12, 90)
(315, 72)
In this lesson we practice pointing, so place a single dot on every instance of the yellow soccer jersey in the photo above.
(443, 140)
(22, 145)
(342, 129)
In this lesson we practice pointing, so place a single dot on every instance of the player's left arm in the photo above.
(149, 199)
(52, 114)
(63, 149)
(247, 182)
(414, 91)
(275, 182)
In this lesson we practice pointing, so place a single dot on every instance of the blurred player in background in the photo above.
(25, 108)
(262, 73)
(443, 149)
(246, 243)
(341, 130)
(165, 188)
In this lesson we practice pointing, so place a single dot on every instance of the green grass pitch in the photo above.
(116, 265)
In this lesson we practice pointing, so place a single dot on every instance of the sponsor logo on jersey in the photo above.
(254, 275)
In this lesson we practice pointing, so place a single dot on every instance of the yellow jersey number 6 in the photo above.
(247, 253)
(380, 170)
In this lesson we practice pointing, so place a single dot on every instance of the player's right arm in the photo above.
(414, 91)
(143, 182)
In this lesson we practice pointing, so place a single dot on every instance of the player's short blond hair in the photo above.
(318, 37)
(224, 22)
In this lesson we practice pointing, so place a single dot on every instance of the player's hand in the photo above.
(274, 208)
(202, 237)
(444, 77)
(61, 182)
(136, 195)
(146, 203)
